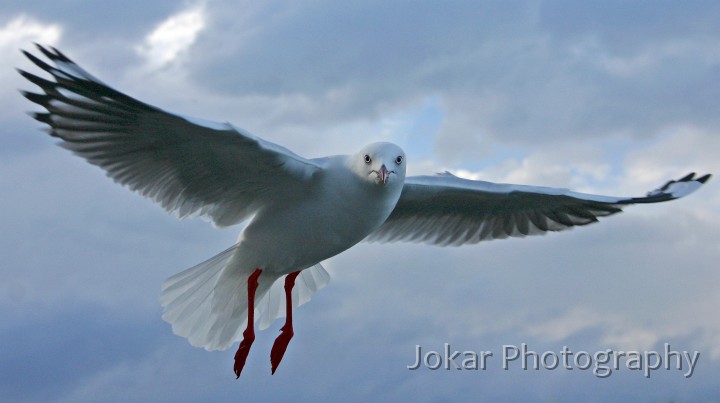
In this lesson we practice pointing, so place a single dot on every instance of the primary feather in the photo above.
(447, 210)
(188, 166)
(300, 211)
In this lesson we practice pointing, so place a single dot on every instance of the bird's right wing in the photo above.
(447, 210)
(189, 166)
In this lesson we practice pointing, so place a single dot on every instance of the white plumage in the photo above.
(299, 211)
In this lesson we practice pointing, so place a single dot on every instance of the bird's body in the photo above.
(298, 211)
(327, 218)
(341, 204)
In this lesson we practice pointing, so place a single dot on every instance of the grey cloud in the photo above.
(87, 23)
(628, 27)
(83, 258)
(505, 73)
(51, 351)
(508, 72)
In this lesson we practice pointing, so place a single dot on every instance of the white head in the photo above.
(380, 163)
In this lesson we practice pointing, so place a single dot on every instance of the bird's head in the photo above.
(381, 164)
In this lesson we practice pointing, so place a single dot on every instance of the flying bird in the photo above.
(298, 211)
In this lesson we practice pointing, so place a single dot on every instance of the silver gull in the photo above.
(299, 211)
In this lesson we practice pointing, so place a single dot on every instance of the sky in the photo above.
(607, 97)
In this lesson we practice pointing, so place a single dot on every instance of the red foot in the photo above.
(243, 351)
(279, 347)
(282, 341)
(249, 333)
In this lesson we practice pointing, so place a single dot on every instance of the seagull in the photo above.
(298, 211)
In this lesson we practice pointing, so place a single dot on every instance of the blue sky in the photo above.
(607, 97)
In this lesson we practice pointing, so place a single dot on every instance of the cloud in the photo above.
(15, 34)
(172, 37)
(22, 29)
(620, 333)
(608, 99)
(498, 85)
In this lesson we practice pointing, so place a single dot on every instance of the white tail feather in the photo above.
(272, 305)
(207, 303)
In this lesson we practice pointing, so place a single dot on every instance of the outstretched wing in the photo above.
(447, 210)
(189, 166)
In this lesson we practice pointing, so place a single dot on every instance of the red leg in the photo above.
(249, 333)
(282, 341)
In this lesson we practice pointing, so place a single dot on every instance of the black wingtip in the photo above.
(40, 99)
(46, 85)
(42, 117)
(691, 177)
(40, 47)
(687, 177)
(61, 56)
(704, 178)
(49, 52)
(38, 62)
(26, 53)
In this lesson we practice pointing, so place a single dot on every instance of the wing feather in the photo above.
(188, 166)
(447, 210)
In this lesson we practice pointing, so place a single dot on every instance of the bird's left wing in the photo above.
(447, 210)
(188, 166)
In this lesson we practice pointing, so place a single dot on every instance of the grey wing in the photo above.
(447, 210)
(189, 166)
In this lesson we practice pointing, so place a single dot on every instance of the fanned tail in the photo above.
(207, 303)
(272, 305)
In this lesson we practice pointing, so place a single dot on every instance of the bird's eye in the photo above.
(399, 159)
(367, 159)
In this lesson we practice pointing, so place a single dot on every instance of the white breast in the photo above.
(338, 212)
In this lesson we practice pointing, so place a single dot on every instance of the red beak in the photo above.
(384, 174)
